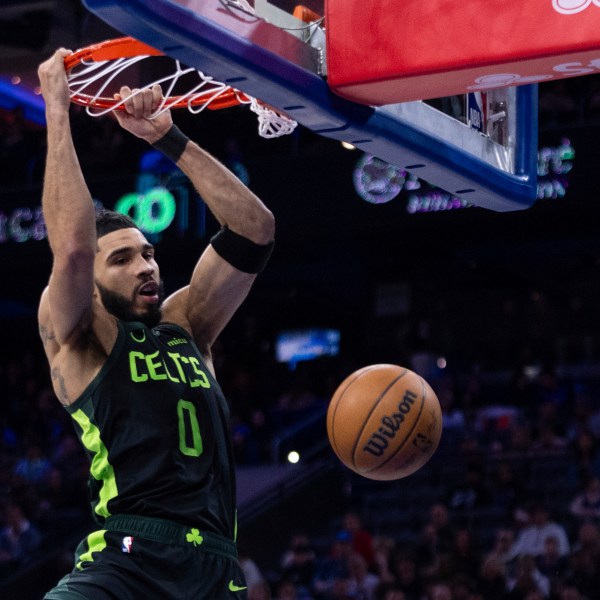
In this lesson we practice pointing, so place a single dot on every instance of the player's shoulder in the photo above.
(76, 360)
(96, 334)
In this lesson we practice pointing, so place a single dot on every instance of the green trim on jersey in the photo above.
(101, 469)
(95, 543)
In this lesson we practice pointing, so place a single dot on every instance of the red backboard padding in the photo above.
(390, 51)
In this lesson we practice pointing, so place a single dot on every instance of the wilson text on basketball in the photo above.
(378, 441)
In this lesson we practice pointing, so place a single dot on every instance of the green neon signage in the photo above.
(152, 212)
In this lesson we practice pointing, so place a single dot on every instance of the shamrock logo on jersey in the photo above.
(194, 537)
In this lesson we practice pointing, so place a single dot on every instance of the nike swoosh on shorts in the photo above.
(236, 588)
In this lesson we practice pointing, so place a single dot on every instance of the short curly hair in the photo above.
(108, 221)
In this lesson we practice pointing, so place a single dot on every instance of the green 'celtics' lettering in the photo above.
(173, 366)
(155, 367)
(135, 374)
(186, 412)
(203, 381)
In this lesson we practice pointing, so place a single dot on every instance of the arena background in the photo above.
(489, 292)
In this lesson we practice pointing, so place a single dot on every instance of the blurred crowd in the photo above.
(533, 560)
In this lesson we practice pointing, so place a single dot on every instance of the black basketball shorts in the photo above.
(137, 558)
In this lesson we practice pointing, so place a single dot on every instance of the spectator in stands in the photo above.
(581, 412)
(406, 572)
(33, 468)
(362, 540)
(437, 536)
(361, 583)
(586, 504)
(584, 561)
(520, 438)
(585, 572)
(333, 567)
(551, 564)
(439, 590)
(70, 460)
(470, 493)
(530, 540)
(19, 538)
(47, 422)
(383, 553)
(571, 592)
(548, 440)
(552, 395)
(493, 423)
(259, 591)
(527, 579)
(252, 573)
(587, 454)
(286, 590)
(492, 580)
(340, 590)
(298, 562)
(509, 491)
(59, 501)
(463, 558)
(501, 551)
(454, 420)
(588, 539)
(463, 588)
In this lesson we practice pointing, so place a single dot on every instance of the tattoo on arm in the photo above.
(59, 380)
(46, 335)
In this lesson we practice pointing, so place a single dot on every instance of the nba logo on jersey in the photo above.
(127, 544)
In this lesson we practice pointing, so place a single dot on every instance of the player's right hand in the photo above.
(53, 80)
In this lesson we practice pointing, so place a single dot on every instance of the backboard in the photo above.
(265, 51)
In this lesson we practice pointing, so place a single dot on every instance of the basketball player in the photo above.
(135, 373)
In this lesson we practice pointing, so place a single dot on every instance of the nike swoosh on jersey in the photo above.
(236, 588)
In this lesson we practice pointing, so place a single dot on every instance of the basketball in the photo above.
(384, 422)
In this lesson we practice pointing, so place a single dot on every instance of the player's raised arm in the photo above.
(68, 212)
(231, 202)
(227, 269)
(225, 272)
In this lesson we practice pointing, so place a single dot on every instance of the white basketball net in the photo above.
(98, 75)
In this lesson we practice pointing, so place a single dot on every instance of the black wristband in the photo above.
(172, 144)
(240, 252)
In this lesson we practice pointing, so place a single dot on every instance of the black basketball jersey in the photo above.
(155, 425)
